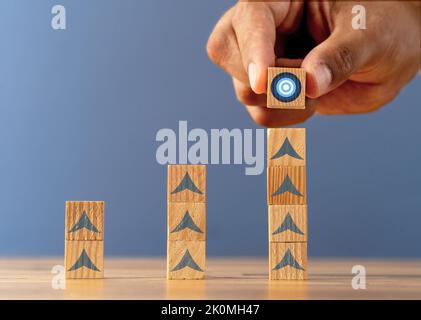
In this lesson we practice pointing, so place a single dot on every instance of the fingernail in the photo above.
(252, 70)
(323, 77)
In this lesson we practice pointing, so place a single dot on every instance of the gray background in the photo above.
(79, 110)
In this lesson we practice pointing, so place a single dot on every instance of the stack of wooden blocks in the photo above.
(84, 244)
(286, 180)
(186, 222)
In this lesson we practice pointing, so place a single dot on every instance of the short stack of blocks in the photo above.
(84, 246)
(286, 186)
(186, 222)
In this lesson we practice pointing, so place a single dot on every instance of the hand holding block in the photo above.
(84, 259)
(84, 220)
(287, 223)
(288, 261)
(286, 88)
(286, 147)
(186, 221)
(286, 185)
(186, 183)
(186, 260)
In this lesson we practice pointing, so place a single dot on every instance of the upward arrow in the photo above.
(288, 224)
(84, 222)
(286, 149)
(83, 261)
(287, 186)
(186, 184)
(187, 261)
(288, 260)
(187, 222)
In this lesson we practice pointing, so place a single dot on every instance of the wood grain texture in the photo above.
(176, 254)
(226, 278)
(78, 265)
(278, 140)
(186, 221)
(77, 210)
(176, 174)
(277, 182)
(299, 102)
(288, 261)
(287, 223)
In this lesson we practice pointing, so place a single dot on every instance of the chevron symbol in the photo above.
(83, 261)
(288, 224)
(287, 186)
(286, 149)
(84, 222)
(187, 261)
(288, 260)
(186, 184)
(187, 223)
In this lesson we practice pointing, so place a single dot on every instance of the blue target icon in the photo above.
(285, 87)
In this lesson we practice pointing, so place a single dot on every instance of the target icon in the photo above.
(285, 87)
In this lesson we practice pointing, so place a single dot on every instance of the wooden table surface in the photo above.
(228, 278)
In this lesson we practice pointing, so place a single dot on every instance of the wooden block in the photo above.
(286, 185)
(186, 183)
(186, 260)
(186, 221)
(84, 259)
(84, 220)
(286, 147)
(287, 223)
(286, 88)
(288, 261)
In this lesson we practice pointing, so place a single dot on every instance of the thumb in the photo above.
(334, 60)
(254, 25)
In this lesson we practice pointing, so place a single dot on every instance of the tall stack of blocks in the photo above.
(84, 240)
(186, 251)
(286, 180)
(286, 185)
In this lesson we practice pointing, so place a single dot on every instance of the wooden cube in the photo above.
(186, 221)
(286, 185)
(84, 259)
(287, 223)
(186, 260)
(286, 88)
(84, 220)
(288, 261)
(186, 183)
(286, 147)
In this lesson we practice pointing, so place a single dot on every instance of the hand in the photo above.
(348, 71)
